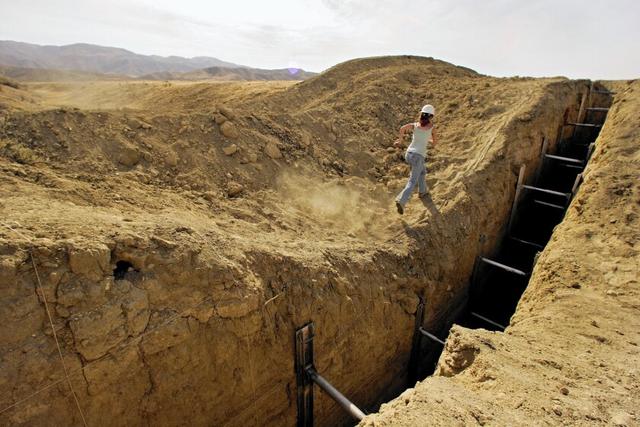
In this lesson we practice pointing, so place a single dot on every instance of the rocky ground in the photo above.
(183, 231)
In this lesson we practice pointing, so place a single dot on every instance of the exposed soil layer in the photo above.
(570, 355)
(182, 232)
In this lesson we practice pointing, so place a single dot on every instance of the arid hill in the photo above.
(97, 59)
(29, 62)
(232, 73)
(52, 75)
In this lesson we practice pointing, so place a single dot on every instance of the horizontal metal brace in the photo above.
(504, 267)
(491, 322)
(526, 242)
(430, 336)
(551, 205)
(544, 190)
(564, 165)
(339, 398)
(564, 159)
(597, 109)
(581, 144)
(585, 125)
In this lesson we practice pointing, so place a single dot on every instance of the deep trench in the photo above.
(501, 276)
(494, 291)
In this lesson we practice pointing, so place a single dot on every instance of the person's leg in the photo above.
(405, 194)
(422, 179)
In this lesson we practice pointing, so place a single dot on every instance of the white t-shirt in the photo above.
(419, 140)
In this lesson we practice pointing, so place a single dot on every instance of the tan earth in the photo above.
(571, 354)
(244, 210)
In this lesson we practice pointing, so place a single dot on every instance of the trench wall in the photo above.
(195, 338)
(569, 354)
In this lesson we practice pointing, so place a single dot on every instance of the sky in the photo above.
(594, 39)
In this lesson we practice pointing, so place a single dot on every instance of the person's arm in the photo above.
(434, 138)
(404, 129)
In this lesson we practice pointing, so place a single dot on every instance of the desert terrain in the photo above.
(175, 234)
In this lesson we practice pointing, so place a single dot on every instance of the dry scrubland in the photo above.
(247, 209)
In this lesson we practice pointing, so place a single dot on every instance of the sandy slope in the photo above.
(335, 135)
(571, 355)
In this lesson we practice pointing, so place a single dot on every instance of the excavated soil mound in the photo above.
(181, 232)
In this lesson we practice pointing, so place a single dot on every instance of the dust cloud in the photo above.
(350, 206)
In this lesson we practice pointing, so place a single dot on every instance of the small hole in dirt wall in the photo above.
(122, 268)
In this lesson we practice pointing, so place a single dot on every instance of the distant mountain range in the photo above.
(88, 58)
(228, 73)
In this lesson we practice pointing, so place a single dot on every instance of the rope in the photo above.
(67, 373)
(53, 328)
(101, 358)
(55, 337)
(135, 340)
(41, 340)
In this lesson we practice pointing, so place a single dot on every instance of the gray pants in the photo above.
(418, 174)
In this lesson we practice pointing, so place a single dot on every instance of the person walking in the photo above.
(423, 132)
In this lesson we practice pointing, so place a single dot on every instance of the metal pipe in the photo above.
(551, 205)
(526, 242)
(566, 165)
(564, 159)
(488, 320)
(544, 190)
(504, 267)
(429, 335)
(340, 399)
(586, 125)
(598, 109)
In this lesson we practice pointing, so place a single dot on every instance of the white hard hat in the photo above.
(428, 109)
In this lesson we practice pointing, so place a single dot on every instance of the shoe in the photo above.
(423, 195)
(399, 207)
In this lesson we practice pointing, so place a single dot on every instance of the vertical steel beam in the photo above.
(516, 198)
(415, 345)
(543, 154)
(304, 383)
(306, 375)
(583, 105)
